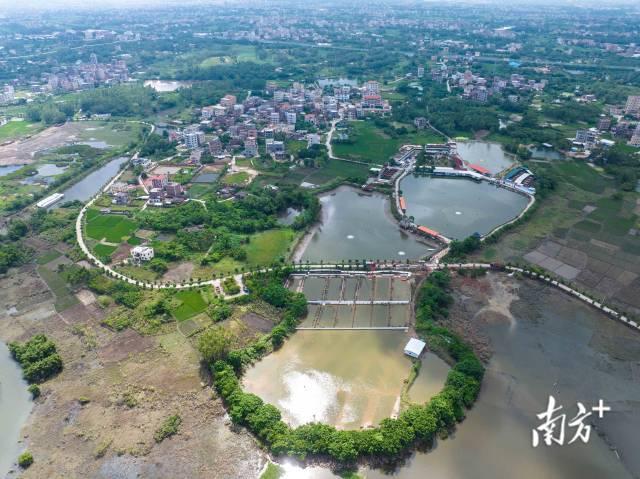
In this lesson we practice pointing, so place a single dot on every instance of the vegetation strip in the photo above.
(417, 426)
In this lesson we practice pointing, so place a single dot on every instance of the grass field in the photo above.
(17, 129)
(268, 246)
(198, 190)
(239, 178)
(64, 297)
(112, 228)
(337, 169)
(216, 60)
(103, 250)
(192, 303)
(115, 134)
(372, 145)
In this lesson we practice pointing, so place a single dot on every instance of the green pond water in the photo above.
(458, 207)
(359, 226)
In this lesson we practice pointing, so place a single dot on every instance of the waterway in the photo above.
(459, 208)
(345, 378)
(485, 153)
(91, 184)
(360, 226)
(15, 406)
(164, 86)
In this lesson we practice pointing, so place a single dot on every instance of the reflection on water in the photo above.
(345, 378)
(355, 226)
(459, 208)
(484, 153)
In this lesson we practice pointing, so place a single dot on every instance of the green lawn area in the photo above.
(103, 250)
(239, 178)
(213, 61)
(64, 297)
(372, 145)
(115, 134)
(113, 228)
(134, 241)
(268, 246)
(16, 129)
(192, 303)
(336, 168)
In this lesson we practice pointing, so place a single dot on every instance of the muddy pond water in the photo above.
(344, 378)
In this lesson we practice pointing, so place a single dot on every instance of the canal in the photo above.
(88, 186)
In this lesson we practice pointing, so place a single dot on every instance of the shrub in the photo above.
(25, 459)
(168, 428)
(35, 391)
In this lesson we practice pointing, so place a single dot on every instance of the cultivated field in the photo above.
(585, 233)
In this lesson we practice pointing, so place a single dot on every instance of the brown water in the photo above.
(558, 346)
(344, 378)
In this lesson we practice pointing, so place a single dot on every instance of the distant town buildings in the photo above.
(7, 95)
(632, 106)
(588, 138)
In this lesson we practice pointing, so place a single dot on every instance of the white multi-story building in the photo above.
(193, 139)
(291, 117)
(142, 253)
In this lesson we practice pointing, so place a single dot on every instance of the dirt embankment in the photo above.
(98, 417)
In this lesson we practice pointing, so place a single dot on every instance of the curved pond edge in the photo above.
(389, 442)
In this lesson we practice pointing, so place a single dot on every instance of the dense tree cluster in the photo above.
(38, 357)
(458, 250)
(129, 100)
(157, 147)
